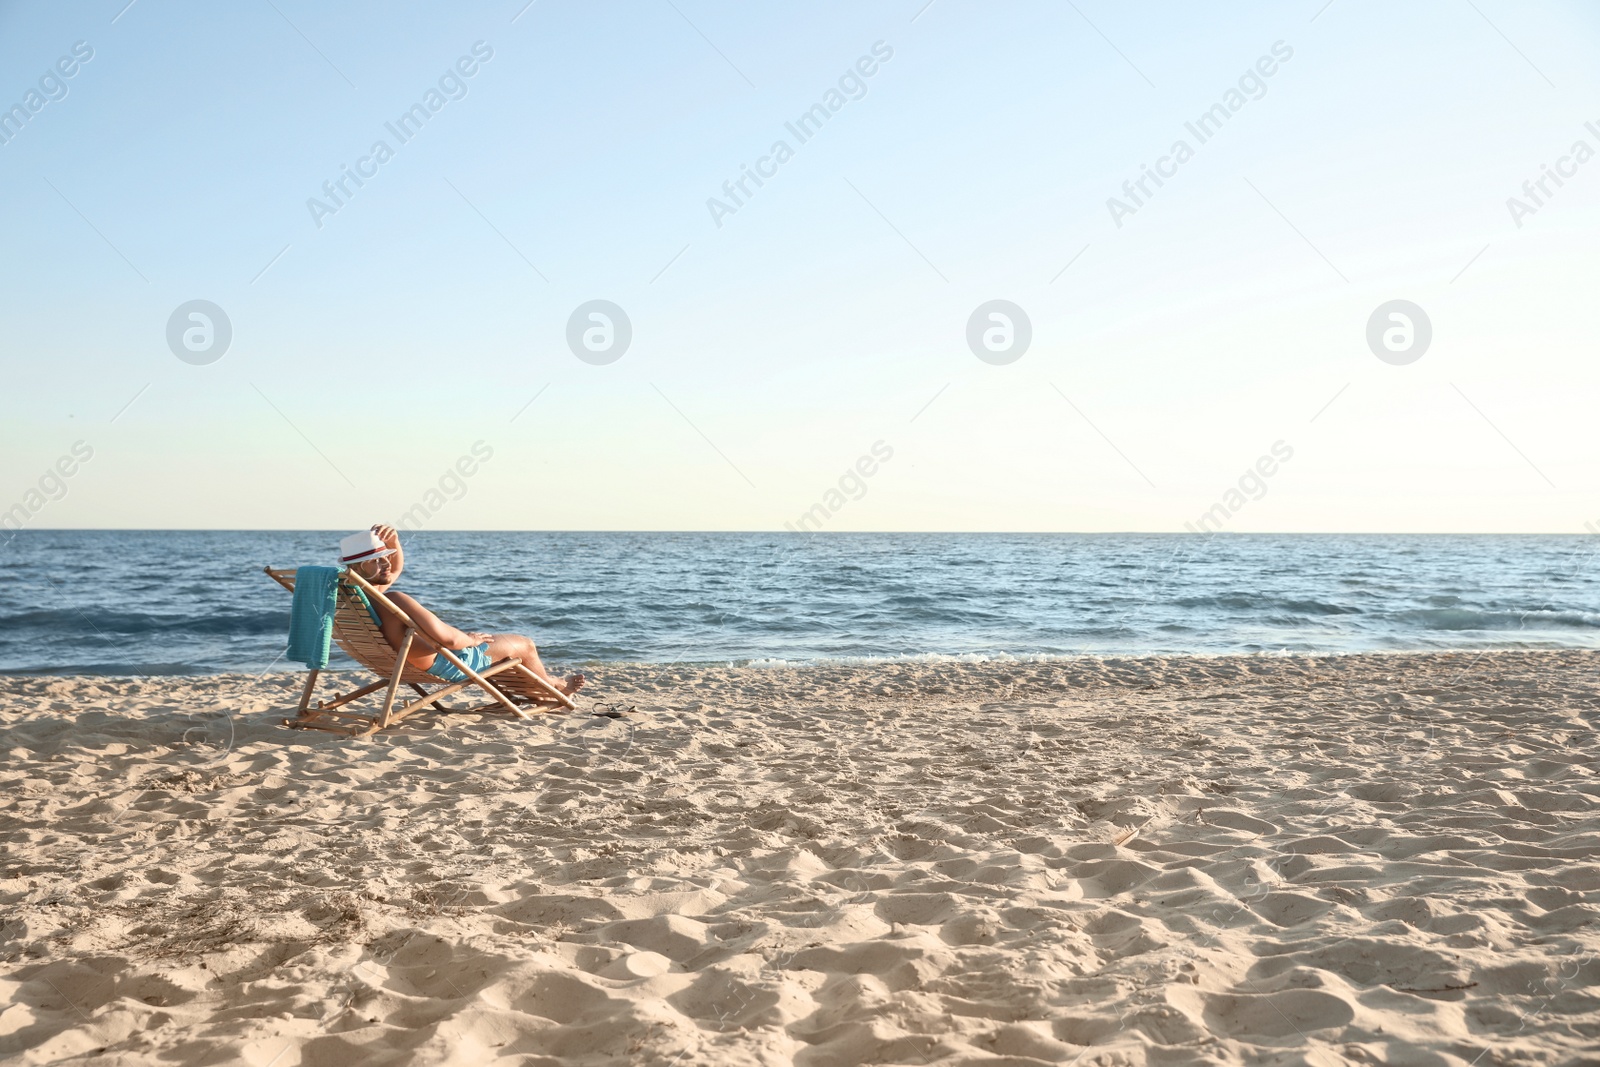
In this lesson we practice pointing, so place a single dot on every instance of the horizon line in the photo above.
(817, 533)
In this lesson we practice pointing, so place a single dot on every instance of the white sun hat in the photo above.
(360, 547)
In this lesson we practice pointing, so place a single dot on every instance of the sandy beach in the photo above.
(1267, 860)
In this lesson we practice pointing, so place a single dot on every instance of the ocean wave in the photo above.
(912, 657)
(1275, 650)
(114, 670)
(1478, 619)
(90, 621)
(1251, 602)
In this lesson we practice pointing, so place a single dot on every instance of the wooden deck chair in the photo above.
(360, 637)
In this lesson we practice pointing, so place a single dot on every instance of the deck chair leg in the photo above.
(421, 692)
(394, 678)
(305, 694)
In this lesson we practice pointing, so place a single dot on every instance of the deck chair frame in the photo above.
(363, 640)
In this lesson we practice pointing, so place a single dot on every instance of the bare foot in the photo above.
(573, 683)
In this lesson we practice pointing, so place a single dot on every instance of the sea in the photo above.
(185, 602)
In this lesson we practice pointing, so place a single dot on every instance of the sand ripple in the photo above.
(1364, 859)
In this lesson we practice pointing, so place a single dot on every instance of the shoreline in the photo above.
(916, 660)
(1149, 861)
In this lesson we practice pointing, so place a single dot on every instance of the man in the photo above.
(376, 555)
(380, 549)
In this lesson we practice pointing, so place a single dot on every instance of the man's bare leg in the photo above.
(503, 645)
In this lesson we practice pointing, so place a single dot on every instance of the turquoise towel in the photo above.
(316, 596)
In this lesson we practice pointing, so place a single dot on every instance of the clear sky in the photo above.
(381, 331)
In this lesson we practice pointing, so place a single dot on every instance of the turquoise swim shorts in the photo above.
(476, 657)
